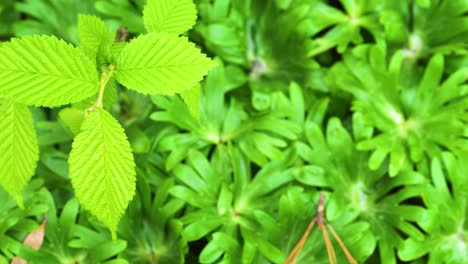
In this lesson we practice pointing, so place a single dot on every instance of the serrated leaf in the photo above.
(92, 32)
(172, 16)
(18, 147)
(191, 98)
(45, 71)
(102, 168)
(161, 63)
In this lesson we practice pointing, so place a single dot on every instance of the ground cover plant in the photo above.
(234, 131)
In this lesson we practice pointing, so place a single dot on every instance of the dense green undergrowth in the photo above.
(363, 100)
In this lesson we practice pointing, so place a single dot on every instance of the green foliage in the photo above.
(427, 32)
(67, 241)
(92, 33)
(363, 102)
(45, 71)
(8, 15)
(229, 205)
(14, 222)
(101, 152)
(447, 238)
(169, 16)
(51, 17)
(260, 136)
(170, 61)
(126, 13)
(19, 148)
(152, 233)
(371, 196)
(413, 118)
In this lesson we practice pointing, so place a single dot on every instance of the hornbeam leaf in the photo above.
(45, 71)
(102, 168)
(161, 63)
(18, 147)
(92, 32)
(172, 16)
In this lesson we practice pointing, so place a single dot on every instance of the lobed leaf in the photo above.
(102, 168)
(19, 148)
(45, 71)
(161, 63)
(172, 16)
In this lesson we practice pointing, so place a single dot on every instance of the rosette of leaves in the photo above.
(366, 195)
(227, 204)
(260, 135)
(422, 26)
(446, 224)
(149, 226)
(295, 210)
(45, 71)
(68, 241)
(246, 33)
(414, 114)
(15, 223)
(51, 17)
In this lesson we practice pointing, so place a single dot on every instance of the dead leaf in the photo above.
(34, 240)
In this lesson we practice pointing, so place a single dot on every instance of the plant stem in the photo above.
(106, 75)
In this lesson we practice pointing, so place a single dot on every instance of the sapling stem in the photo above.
(106, 75)
(321, 222)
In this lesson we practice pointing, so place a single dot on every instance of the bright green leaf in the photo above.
(161, 64)
(172, 16)
(18, 148)
(45, 71)
(102, 168)
(92, 33)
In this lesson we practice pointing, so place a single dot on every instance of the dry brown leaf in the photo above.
(34, 240)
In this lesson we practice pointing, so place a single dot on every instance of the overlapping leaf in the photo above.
(161, 63)
(18, 147)
(45, 71)
(92, 33)
(172, 16)
(102, 169)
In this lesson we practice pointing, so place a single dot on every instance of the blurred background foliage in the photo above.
(365, 100)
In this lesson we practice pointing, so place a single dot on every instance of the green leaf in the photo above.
(45, 71)
(161, 64)
(191, 99)
(92, 33)
(73, 118)
(172, 16)
(102, 169)
(18, 147)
